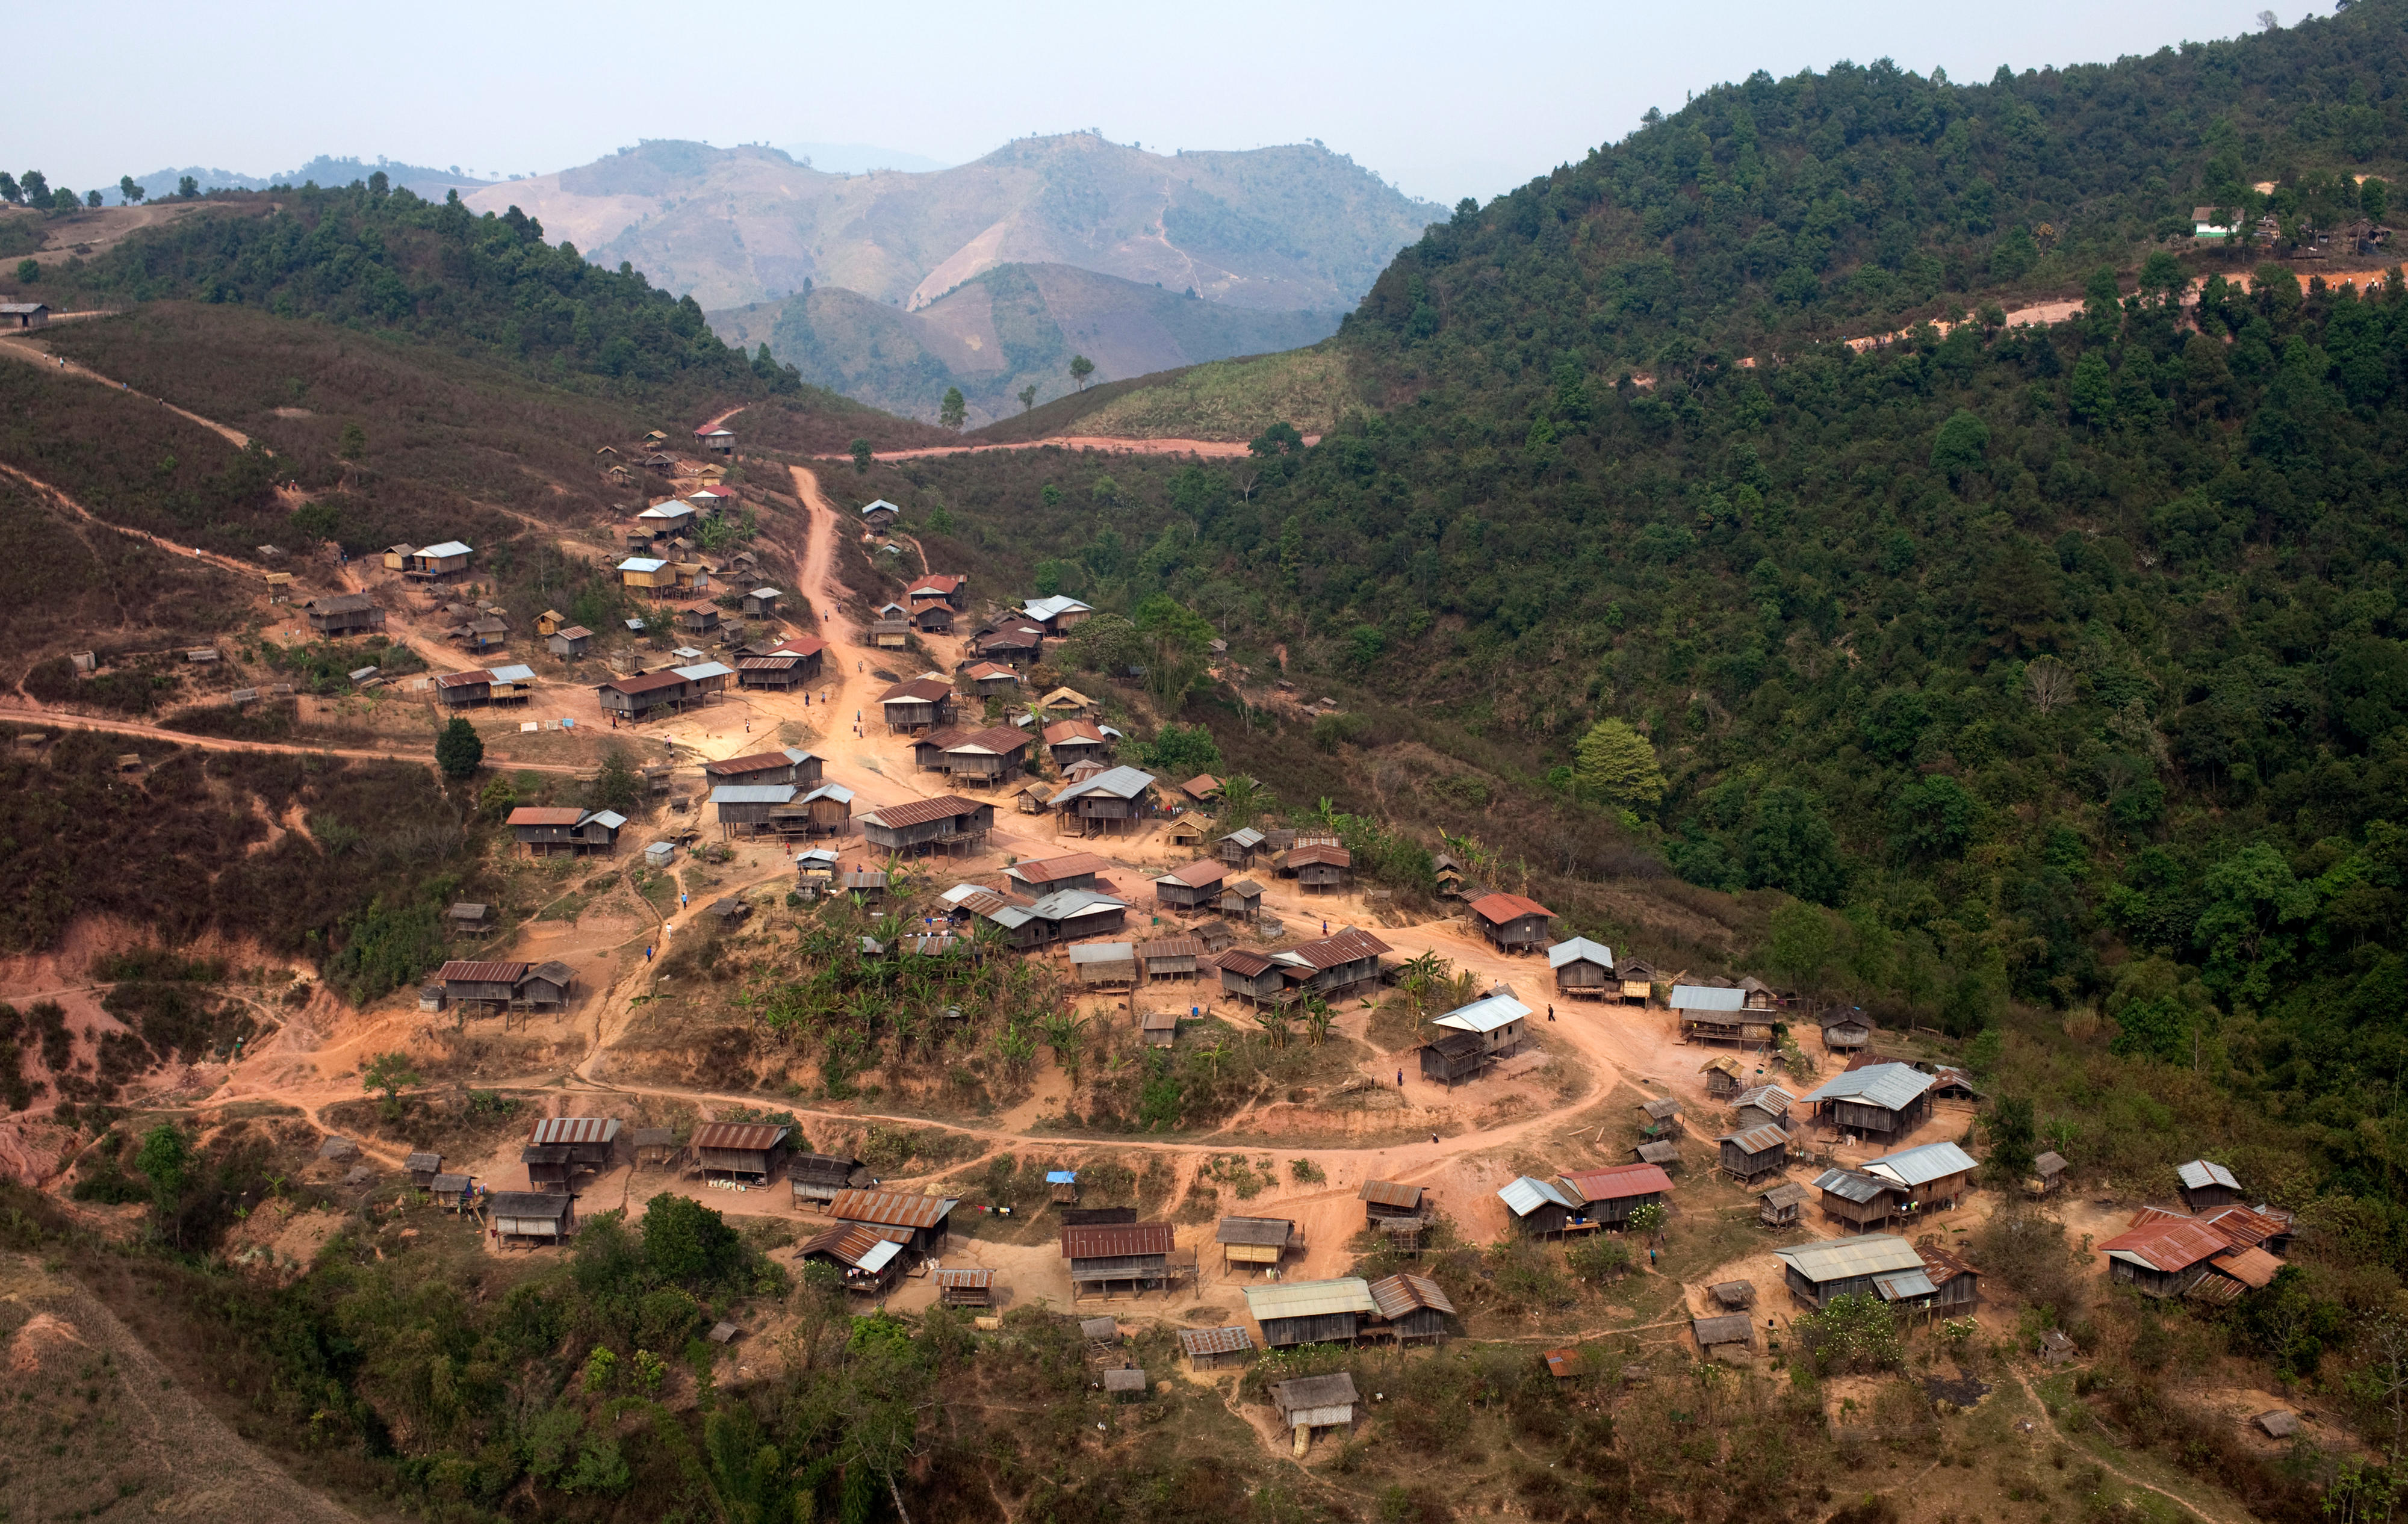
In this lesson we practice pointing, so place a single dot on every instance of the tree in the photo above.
(954, 411)
(861, 453)
(28, 271)
(1959, 447)
(2375, 201)
(132, 192)
(1028, 395)
(10, 192)
(2012, 1136)
(687, 1241)
(166, 1161)
(353, 442)
(2050, 683)
(65, 200)
(92, 198)
(187, 187)
(459, 750)
(36, 187)
(390, 1074)
(1647, 1218)
(1080, 368)
(1803, 940)
(1242, 798)
(617, 785)
(1183, 751)
(1614, 763)
(2102, 306)
(1067, 1035)
(379, 185)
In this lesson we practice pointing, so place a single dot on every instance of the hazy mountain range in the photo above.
(324, 169)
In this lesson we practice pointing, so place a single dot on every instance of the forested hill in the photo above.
(2065, 664)
(1774, 211)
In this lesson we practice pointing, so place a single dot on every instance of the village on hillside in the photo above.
(903, 794)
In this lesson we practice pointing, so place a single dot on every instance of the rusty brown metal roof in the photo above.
(918, 690)
(1402, 1294)
(545, 814)
(575, 1130)
(1002, 740)
(1505, 907)
(1171, 947)
(465, 972)
(741, 1137)
(1392, 1193)
(921, 811)
(1335, 857)
(1068, 865)
(1204, 871)
(890, 1208)
(1245, 964)
(759, 762)
(1347, 947)
(1116, 1241)
(974, 1278)
(1619, 1183)
(849, 1242)
(1214, 1341)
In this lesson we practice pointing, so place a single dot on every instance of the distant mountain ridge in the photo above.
(1295, 228)
(325, 169)
(1002, 330)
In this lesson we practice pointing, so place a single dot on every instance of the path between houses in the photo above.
(29, 711)
(2050, 1418)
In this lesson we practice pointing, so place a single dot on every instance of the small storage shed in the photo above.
(1320, 868)
(1252, 1241)
(2048, 1174)
(1513, 922)
(1095, 964)
(1726, 1077)
(1170, 957)
(656, 1148)
(1411, 1307)
(423, 1168)
(1608, 1196)
(1389, 1199)
(1662, 1151)
(2054, 1347)
(1779, 1206)
(1191, 886)
(1160, 1028)
(1239, 847)
(1456, 1055)
(1314, 1402)
(1846, 1031)
(1125, 1384)
(820, 1179)
(1310, 1311)
(1584, 969)
(1243, 899)
(1062, 1187)
(1725, 1336)
(1209, 1348)
(2206, 1184)
(451, 1191)
(870, 1258)
(1543, 1208)
(745, 1152)
(562, 1147)
(532, 1217)
(1763, 1106)
(1749, 1155)
(968, 1287)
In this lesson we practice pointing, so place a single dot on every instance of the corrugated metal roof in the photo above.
(2051, 1162)
(1579, 950)
(1116, 1241)
(1047, 870)
(429, 1162)
(1729, 1328)
(1661, 1151)
(1200, 874)
(2242, 1227)
(854, 1244)
(703, 670)
(1770, 1098)
(923, 811)
(976, 1278)
(1256, 1231)
(1484, 1014)
(1405, 1293)
(1526, 1194)
(449, 548)
(465, 972)
(1841, 1258)
(447, 1184)
(1848, 1185)
(1172, 947)
(1619, 1183)
(757, 762)
(549, 1206)
(1246, 963)
(1112, 783)
(2201, 1172)
(1309, 1298)
(1503, 907)
(1313, 1391)
(752, 794)
(2252, 1267)
(1349, 946)
(2166, 1244)
(545, 814)
(1322, 853)
(742, 1137)
(1787, 1193)
(1905, 1286)
(1246, 837)
(1392, 1193)
(1922, 1164)
(1103, 952)
(1214, 1341)
(1756, 1140)
(1892, 1087)
(890, 1208)
(574, 1130)
(1049, 609)
(514, 674)
(994, 741)
(1701, 997)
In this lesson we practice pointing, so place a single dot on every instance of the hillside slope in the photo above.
(1014, 326)
(2064, 664)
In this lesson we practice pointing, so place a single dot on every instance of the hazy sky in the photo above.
(1445, 100)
